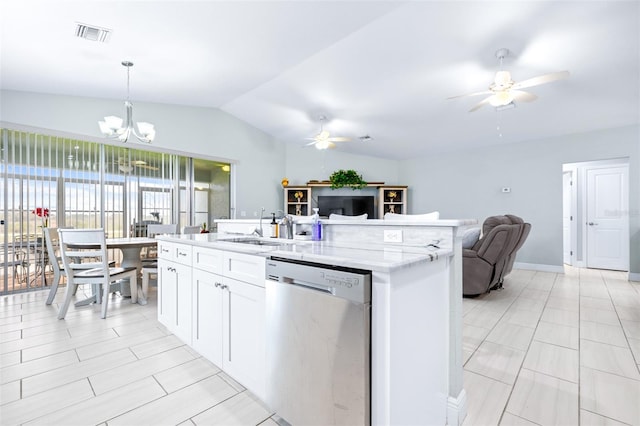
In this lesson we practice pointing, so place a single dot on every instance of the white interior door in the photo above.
(607, 219)
(567, 215)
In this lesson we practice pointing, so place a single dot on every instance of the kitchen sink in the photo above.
(254, 241)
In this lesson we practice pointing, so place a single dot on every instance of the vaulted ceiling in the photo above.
(379, 68)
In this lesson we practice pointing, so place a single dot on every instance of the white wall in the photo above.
(468, 185)
(308, 163)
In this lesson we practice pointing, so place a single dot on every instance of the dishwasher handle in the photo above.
(310, 286)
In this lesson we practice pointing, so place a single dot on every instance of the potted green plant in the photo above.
(350, 178)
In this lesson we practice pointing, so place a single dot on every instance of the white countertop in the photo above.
(370, 222)
(375, 257)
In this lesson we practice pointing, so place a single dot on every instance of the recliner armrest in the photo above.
(469, 253)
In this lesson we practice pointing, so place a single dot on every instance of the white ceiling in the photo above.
(378, 68)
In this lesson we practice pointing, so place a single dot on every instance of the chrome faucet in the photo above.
(258, 231)
(288, 222)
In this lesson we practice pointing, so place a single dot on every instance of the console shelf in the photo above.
(390, 198)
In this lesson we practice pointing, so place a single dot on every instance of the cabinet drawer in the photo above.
(180, 253)
(166, 251)
(207, 259)
(244, 267)
(184, 254)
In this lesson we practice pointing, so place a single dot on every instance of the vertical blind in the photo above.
(63, 182)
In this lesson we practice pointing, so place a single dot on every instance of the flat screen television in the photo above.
(346, 205)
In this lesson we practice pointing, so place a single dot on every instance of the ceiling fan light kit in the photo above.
(117, 128)
(503, 92)
(324, 140)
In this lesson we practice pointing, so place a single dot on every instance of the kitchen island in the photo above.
(416, 354)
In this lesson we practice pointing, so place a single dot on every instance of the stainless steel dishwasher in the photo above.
(318, 343)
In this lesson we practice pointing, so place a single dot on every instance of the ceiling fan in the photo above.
(126, 166)
(504, 91)
(324, 140)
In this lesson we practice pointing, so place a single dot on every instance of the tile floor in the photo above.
(554, 349)
(549, 349)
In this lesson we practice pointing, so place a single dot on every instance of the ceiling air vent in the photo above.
(93, 33)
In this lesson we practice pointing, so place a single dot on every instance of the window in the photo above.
(90, 185)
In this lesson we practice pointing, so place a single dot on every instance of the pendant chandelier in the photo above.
(117, 128)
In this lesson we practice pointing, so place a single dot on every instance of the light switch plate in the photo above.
(393, 235)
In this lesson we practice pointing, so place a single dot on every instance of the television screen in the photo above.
(346, 205)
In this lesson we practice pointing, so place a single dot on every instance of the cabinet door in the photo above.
(207, 315)
(245, 267)
(184, 301)
(244, 334)
(167, 289)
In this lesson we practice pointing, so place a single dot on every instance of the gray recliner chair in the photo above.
(483, 265)
(525, 228)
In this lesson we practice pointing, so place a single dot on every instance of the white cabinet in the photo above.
(244, 334)
(174, 294)
(208, 315)
(226, 309)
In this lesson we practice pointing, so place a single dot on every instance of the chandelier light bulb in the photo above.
(116, 127)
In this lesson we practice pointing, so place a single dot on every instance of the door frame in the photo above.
(579, 207)
(573, 227)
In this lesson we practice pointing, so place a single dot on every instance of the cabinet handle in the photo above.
(180, 253)
(218, 284)
(224, 287)
(164, 250)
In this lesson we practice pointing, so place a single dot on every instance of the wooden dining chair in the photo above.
(52, 241)
(191, 230)
(101, 274)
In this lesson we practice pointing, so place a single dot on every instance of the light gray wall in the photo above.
(468, 185)
(204, 132)
(308, 163)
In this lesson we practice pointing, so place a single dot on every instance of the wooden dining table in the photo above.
(131, 248)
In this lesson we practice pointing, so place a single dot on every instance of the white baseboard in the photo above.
(457, 409)
(539, 267)
(634, 276)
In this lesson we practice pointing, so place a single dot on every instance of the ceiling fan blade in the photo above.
(338, 139)
(138, 162)
(481, 103)
(541, 79)
(311, 143)
(519, 95)
(484, 92)
(146, 166)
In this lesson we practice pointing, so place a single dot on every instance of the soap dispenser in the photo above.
(316, 227)
(274, 226)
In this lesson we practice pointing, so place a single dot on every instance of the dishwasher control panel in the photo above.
(346, 283)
